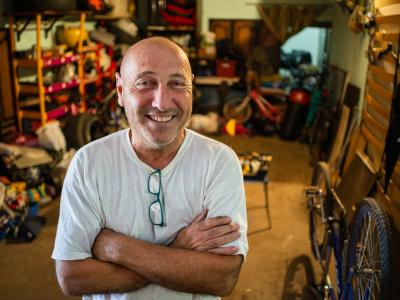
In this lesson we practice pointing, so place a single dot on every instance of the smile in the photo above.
(160, 119)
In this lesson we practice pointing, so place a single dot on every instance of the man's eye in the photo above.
(145, 84)
(176, 84)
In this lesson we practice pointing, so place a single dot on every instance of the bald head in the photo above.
(153, 48)
(155, 89)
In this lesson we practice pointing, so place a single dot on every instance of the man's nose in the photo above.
(161, 99)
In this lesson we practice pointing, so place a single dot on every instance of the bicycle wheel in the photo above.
(230, 110)
(368, 267)
(320, 135)
(320, 209)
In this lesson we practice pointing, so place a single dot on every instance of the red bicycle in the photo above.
(241, 110)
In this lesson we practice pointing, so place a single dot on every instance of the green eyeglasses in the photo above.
(156, 208)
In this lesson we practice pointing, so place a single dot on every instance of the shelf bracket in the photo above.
(20, 29)
(49, 27)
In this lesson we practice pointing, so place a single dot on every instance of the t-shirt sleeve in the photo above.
(81, 215)
(225, 195)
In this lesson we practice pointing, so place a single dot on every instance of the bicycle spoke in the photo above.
(359, 293)
(373, 261)
(368, 256)
(364, 243)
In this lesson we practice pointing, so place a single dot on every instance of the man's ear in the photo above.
(118, 84)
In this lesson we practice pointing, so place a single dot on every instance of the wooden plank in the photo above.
(354, 141)
(372, 139)
(392, 9)
(382, 92)
(374, 155)
(375, 124)
(395, 178)
(382, 110)
(28, 88)
(377, 134)
(381, 3)
(378, 117)
(381, 73)
(214, 80)
(25, 62)
(34, 115)
(393, 192)
(388, 37)
(382, 20)
(340, 134)
(396, 175)
(29, 102)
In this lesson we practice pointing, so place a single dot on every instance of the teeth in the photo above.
(161, 118)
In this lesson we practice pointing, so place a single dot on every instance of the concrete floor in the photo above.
(279, 263)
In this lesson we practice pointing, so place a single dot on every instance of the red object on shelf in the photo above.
(58, 86)
(58, 112)
(226, 68)
(57, 61)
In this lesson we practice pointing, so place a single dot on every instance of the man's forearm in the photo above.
(91, 276)
(176, 269)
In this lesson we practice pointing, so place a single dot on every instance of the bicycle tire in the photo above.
(318, 228)
(320, 135)
(337, 241)
(230, 110)
(370, 221)
(92, 128)
(74, 131)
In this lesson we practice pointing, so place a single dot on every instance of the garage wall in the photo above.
(309, 39)
(348, 49)
(244, 9)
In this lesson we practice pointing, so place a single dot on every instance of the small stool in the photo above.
(255, 168)
(262, 177)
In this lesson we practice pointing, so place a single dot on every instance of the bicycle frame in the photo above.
(335, 224)
(268, 110)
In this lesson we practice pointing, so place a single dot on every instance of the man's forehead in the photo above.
(154, 56)
(166, 73)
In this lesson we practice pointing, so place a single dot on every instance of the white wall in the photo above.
(226, 9)
(309, 39)
(240, 9)
(348, 50)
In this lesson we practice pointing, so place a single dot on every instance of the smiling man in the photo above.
(155, 211)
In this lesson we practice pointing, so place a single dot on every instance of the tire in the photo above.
(320, 136)
(371, 230)
(92, 129)
(74, 131)
(229, 110)
(318, 227)
(338, 250)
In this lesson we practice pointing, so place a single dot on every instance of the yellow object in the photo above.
(231, 127)
(19, 186)
(246, 169)
(70, 36)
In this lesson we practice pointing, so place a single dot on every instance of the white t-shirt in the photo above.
(107, 186)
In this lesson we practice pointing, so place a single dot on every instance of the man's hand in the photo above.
(208, 235)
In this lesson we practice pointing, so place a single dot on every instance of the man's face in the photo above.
(155, 88)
